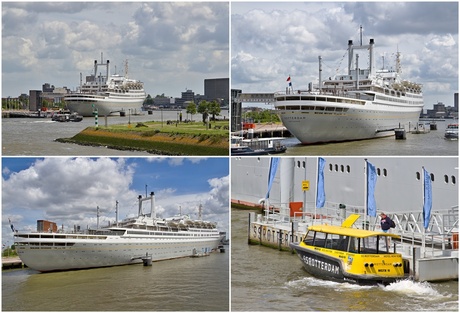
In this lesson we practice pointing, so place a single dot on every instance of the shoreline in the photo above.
(153, 141)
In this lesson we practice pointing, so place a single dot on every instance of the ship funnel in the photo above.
(108, 70)
(95, 68)
(350, 55)
(140, 205)
(153, 213)
(371, 56)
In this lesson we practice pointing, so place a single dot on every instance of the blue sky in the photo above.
(68, 190)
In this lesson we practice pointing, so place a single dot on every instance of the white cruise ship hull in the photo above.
(106, 105)
(110, 252)
(337, 123)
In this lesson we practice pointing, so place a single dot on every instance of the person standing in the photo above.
(386, 223)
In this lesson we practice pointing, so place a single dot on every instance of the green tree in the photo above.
(148, 100)
(191, 109)
(214, 109)
(203, 108)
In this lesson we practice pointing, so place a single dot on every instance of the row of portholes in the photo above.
(447, 179)
(380, 172)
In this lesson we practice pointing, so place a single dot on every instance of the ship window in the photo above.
(453, 180)
(330, 167)
(348, 168)
(336, 167)
(342, 168)
(378, 172)
(417, 175)
(446, 179)
(385, 172)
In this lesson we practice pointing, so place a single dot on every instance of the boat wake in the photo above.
(308, 282)
(422, 290)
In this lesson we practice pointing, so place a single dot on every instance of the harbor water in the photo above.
(432, 144)
(36, 136)
(186, 284)
(265, 279)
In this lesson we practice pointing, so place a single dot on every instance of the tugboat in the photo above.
(346, 254)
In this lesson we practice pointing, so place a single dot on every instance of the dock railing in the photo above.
(440, 238)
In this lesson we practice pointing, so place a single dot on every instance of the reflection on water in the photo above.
(187, 284)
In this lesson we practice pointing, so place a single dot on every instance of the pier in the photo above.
(431, 254)
(266, 130)
(12, 262)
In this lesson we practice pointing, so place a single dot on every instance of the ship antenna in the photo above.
(200, 209)
(360, 35)
(126, 68)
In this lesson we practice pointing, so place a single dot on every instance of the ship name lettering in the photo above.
(324, 266)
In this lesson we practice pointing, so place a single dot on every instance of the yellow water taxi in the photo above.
(343, 253)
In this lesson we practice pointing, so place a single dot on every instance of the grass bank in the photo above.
(158, 138)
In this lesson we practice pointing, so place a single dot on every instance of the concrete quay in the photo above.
(12, 262)
(265, 130)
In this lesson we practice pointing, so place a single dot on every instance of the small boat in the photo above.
(66, 117)
(257, 146)
(421, 128)
(451, 131)
(346, 254)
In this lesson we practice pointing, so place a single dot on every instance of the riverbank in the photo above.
(158, 138)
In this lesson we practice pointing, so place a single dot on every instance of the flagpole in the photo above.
(316, 192)
(365, 192)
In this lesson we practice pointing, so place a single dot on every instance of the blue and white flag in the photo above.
(371, 182)
(271, 174)
(320, 193)
(427, 199)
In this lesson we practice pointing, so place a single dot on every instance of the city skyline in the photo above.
(55, 42)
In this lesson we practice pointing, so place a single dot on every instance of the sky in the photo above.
(271, 41)
(68, 191)
(170, 46)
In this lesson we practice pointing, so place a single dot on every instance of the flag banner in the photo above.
(427, 199)
(320, 193)
(288, 79)
(371, 182)
(271, 174)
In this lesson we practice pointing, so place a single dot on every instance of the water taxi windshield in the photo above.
(367, 245)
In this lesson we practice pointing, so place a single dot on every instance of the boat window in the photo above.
(453, 180)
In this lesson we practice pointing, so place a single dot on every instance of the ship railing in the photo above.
(352, 94)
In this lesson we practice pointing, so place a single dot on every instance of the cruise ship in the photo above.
(108, 94)
(122, 243)
(365, 103)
